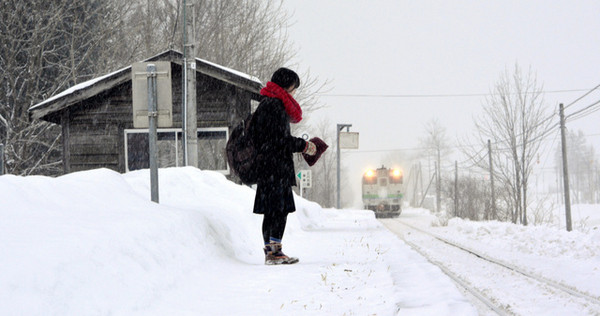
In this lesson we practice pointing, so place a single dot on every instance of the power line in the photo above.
(459, 95)
(581, 97)
(404, 149)
(543, 135)
(575, 115)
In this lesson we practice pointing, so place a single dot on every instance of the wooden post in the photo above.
(494, 215)
(438, 184)
(456, 188)
(565, 168)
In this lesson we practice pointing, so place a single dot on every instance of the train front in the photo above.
(382, 191)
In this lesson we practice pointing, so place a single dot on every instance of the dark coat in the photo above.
(270, 130)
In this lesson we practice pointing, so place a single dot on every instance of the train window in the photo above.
(383, 182)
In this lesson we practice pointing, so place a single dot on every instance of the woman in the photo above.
(270, 130)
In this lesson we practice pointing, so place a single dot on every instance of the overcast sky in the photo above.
(437, 52)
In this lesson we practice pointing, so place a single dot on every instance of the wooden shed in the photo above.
(97, 118)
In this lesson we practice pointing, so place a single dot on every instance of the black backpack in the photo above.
(241, 153)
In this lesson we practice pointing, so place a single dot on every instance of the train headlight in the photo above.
(370, 177)
(396, 176)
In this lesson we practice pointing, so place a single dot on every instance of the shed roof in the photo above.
(90, 88)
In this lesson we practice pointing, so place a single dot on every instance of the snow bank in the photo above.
(92, 243)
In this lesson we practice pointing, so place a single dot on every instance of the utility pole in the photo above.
(189, 110)
(421, 180)
(456, 188)
(438, 184)
(565, 168)
(493, 215)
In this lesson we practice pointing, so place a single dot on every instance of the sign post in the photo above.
(152, 108)
(152, 133)
(347, 141)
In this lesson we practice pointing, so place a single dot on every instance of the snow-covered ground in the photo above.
(91, 243)
(571, 259)
(568, 258)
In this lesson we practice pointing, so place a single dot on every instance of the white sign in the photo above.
(348, 140)
(164, 96)
(305, 178)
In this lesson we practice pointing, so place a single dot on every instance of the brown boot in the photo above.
(274, 255)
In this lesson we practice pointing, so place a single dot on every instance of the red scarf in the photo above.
(292, 108)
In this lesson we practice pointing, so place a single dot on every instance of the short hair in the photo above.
(286, 78)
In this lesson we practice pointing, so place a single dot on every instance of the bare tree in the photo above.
(515, 121)
(46, 47)
(49, 46)
(323, 189)
(582, 168)
(437, 146)
(473, 201)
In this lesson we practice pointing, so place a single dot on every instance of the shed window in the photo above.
(211, 149)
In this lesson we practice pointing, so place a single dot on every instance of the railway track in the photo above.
(495, 286)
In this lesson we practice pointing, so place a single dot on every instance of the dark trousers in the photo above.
(273, 225)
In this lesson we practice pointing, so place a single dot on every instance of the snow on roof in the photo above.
(77, 87)
(233, 71)
(91, 82)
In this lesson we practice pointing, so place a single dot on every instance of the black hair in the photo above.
(286, 78)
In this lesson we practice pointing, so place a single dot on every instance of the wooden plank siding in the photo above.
(93, 129)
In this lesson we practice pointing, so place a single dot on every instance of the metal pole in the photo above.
(1, 159)
(152, 134)
(565, 168)
(339, 128)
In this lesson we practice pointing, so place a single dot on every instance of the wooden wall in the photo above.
(93, 130)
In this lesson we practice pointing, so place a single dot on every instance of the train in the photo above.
(382, 191)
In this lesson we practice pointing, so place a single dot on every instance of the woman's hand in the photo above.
(310, 149)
